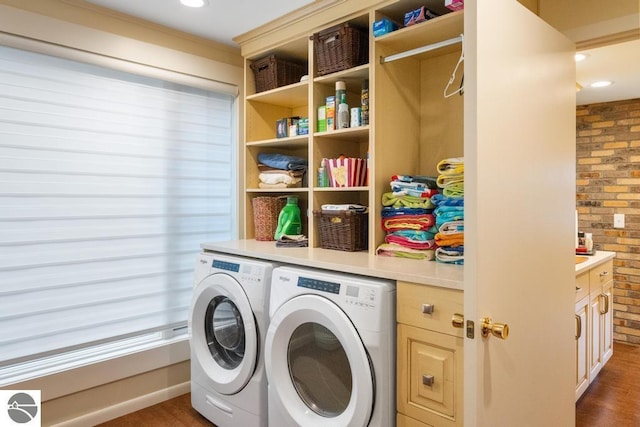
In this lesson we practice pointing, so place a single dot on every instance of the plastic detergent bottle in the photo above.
(289, 219)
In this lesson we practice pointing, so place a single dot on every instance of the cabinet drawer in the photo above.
(413, 300)
(430, 367)
(582, 286)
(600, 275)
(404, 421)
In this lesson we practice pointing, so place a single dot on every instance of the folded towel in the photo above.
(389, 211)
(408, 222)
(292, 241)
(412, 189)
(429, 181)
(280, 185)
(406, 201)
(416, 235)
(451, 166)
(450, 255)
(410, 243)
(345, 207)
(278, 178)
(442, 200)
(445, 181)
(454, 190)
(449, 240)
(393, 250)
(451, 227)
(282, 161)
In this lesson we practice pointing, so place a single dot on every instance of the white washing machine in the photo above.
(227, 324)
(330, 350)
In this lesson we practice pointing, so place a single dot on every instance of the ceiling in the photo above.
(222, 21)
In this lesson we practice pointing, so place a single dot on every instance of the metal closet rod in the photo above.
(420, 50)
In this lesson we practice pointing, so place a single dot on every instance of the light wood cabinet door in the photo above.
(606, 321)
(582, 346)
(430, 376)
(595, 351)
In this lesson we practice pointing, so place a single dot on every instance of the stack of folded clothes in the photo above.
(407, 218)
(449, 212)
(280, 170)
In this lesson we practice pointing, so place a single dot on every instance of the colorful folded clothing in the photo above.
(445, 181)
(454, 190)
(448, 213)
(412, 189)
(451, 227)
(450, 255)
(449, 240)
(442, 200)
(407, 242)
(394, 250)
(389, 211)
(451, 166)
(408, 222)
(429, 181)
(417, 235)
(406, 201)
(282, 161)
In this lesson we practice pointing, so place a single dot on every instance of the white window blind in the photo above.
(109, 182)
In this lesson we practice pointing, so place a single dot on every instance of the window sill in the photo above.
(114, 367)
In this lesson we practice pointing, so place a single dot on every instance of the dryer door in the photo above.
(318, 365)
(224, 338)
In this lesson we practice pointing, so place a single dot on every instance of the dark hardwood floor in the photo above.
(612, 400)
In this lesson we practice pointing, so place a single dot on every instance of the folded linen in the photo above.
(449, 240)
(442, 200)
(389, 211)
(394, 250)
(416, 235)
(408, 222)
(292, 241)
(429, 181)
(451, 166)
(454, 190)
(410, 243)
(278, 178)
(444, 181)
(450, 255)
(282, 161)
(345, 207)
(451, 227)
(400, 201)
(412, 189)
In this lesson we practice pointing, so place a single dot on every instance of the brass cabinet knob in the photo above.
(578, 327)
(500, 330)
(604, 307)
(428, 380)
(457, 320)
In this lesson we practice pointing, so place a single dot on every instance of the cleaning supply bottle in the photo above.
(322, 175)
(289, 219)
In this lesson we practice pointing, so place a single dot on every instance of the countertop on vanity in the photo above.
(593, 260)
(361, 263)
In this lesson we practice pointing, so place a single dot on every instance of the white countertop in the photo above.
(362, 263)
(598, 258)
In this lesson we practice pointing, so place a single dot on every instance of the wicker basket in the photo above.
(265, 216)
(271, 72)
(340, 47)
(343, 230)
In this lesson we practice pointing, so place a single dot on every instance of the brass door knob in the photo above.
(500, 330)
(457, 320)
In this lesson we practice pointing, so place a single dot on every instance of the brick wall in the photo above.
(608, 182)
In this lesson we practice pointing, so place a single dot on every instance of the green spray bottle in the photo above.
(289, 219)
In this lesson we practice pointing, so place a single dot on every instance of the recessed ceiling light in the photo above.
(602, 83)
(194, 3)
(580, 56)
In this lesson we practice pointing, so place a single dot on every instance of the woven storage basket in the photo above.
(265, 216)
(271, 72)
(340, 47)
(343, 230)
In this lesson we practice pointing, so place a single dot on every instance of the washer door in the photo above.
(224, 338)
(318, 365)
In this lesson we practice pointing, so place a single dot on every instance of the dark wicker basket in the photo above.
(343, 230)
(340, 47)
(271, 72)
(265, 216)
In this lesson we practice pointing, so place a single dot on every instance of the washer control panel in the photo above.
(319, 285)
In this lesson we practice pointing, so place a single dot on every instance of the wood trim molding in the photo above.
(609, 39)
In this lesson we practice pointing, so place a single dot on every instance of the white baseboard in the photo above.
(123, 408)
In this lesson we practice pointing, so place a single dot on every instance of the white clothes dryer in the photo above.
(330, 350)
(227, 325)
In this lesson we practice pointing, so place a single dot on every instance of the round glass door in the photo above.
(319, 369)
(317, 365)
(224, 336)
(224, 330)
